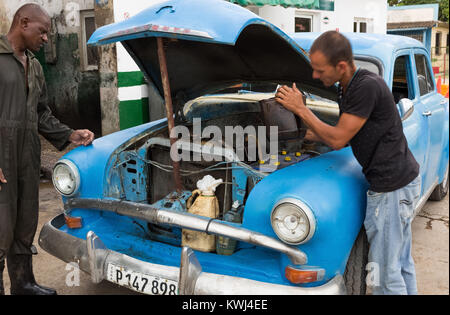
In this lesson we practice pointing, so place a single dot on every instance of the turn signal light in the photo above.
(297, 276)
(72, 222)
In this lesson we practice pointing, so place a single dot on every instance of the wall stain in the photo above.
(74, 95)
(4, 20)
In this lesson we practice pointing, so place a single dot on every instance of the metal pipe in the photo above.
(169, 108)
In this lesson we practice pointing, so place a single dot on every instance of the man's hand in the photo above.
(2, 179)
(335, 137)
(290, 98)
(81, 137)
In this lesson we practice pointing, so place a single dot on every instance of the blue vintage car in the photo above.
(298, 224)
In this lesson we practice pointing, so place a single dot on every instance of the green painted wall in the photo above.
(132, 112)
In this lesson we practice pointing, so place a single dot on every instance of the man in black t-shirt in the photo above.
(369, 121)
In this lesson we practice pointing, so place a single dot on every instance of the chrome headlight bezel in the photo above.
(300, 210)
(74, 174)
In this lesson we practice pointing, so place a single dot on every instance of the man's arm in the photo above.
(337, 136)
(311, 136)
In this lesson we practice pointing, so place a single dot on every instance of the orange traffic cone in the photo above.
(438, 85)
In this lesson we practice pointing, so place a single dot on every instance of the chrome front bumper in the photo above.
(93, 257)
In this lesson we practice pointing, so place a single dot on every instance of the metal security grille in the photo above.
(413, 34)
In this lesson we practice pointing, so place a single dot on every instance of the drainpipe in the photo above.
(169, 108)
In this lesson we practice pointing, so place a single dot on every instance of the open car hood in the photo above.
(212, 44)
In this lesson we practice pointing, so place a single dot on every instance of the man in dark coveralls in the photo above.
(23, 114)
(369, 121)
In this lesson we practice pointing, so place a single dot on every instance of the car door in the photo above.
(404, 89)
(433, 112)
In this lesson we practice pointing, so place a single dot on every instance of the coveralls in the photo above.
(24, 113)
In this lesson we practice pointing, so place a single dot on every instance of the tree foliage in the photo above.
(443, 6)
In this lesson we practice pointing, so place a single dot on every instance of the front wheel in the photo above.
(355, 272)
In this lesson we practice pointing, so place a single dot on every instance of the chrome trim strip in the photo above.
(445, 179)
(190, 270)
(154, 28)
(189, 221)
(73, 249)
(97, 253)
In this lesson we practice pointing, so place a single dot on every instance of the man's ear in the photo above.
(24, 22)
(342, 66)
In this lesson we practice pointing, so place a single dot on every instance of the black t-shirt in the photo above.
(380, 146)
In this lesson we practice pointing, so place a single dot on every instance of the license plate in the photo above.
(140, 282)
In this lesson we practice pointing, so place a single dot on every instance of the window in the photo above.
(424, 77)
(362, 25)
(437, 48)
(368, 65)
(303, 24)
(90, 55)
(401, 83)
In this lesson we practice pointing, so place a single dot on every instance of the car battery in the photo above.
(280, 161)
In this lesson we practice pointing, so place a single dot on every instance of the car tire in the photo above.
(441, 190)
(355, 271)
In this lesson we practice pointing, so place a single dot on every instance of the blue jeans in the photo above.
(388, 227)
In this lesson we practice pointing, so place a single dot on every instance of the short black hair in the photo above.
(334, 46)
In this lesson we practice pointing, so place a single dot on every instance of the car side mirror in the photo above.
(406, 108)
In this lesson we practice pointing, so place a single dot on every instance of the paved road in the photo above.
(430, 250)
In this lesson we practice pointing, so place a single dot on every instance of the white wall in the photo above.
(347, 10)
(411, 15)
(284, 18)
(279, 16)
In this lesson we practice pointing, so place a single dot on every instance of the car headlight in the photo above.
(293, 221)
(66, 178)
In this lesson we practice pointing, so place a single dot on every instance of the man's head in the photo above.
(331, 57)
(31, 25)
